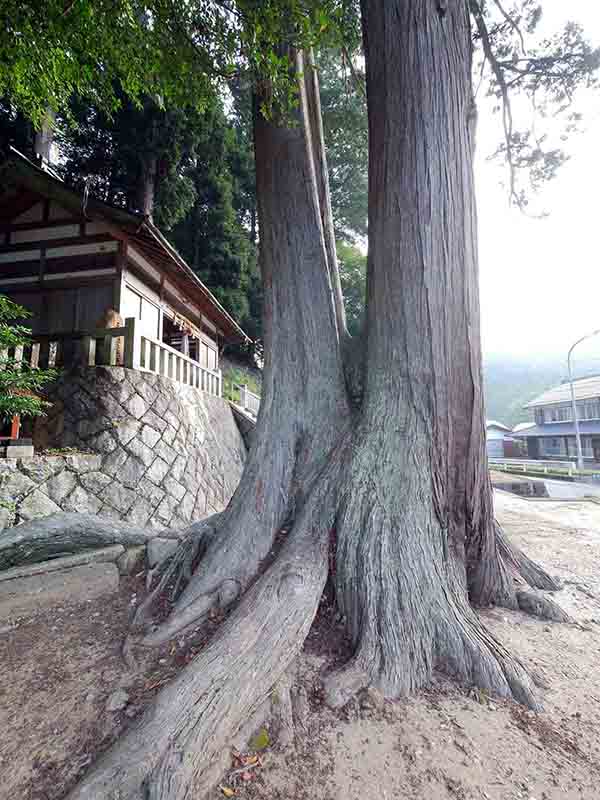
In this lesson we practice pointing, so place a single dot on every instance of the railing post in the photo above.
(243, 395)
(44, 354)
(132, 344)
(88, 351)
(35, 354)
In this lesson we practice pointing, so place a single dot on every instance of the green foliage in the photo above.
(344, 108)
(238, 376)
(217, 236)
(19, 382)
(171, 51)
(112, 154)
(59, 49)
(353, 276)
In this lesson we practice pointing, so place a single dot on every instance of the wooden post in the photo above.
(88, 351)
(244, 396)
(15, 427)
(132, 344)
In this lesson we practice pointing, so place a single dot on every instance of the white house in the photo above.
(496, 434)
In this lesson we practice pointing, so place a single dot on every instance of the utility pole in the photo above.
(573, 402)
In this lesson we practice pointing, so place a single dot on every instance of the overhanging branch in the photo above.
(507, 119)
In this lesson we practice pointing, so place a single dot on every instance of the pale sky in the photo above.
(540, 279)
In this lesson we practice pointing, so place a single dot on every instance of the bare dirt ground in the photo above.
(60, 667)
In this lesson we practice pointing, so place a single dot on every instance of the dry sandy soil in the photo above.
(59, 668)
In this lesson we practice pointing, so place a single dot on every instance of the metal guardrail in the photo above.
(249, 401)
(551, 468)
(538, 466)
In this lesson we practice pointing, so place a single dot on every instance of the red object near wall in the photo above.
(15, 428)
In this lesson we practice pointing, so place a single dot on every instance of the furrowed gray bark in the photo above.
(175, 750)
(304, 407)
(407, 488)
(65, 534)
(416, 531)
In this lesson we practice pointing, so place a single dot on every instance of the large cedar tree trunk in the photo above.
(402, 480)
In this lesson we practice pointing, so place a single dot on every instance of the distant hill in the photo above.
(510, 383)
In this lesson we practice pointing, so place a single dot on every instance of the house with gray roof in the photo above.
(552, 436)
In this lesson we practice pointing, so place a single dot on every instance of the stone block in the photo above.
(140, 450)
(166, 509)
(165, 452)
(58, 487)
(109, 512)
(172, 419)
(95, 482)
(136, 406)
(84, 462)
(23, 596)
(161, 404)
(169, 435)
(173, 487)
(157, 471)
(150, 491)
(7, 466)
(122, 392)
(131, 472)
(156, 422)
(114, 373)
(178, 469)
(19, 451)
(15, 485)
(149, 436)
(7, 517)
(158, 549)
(140, 512)
(42, 467)
(148, 392)
(114, 461)
(103, 443)
(82, 502)
(130, 561)
(102, 555)
(119, 497)
(113, 409)
(126, 429)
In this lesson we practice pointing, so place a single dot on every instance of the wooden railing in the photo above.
(125, 346)
(94, 348)
(249, 401)
(161, 359)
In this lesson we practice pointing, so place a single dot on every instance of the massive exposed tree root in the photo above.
(173, 751)
(65, 534)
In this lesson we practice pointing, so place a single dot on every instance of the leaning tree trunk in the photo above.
(289, 487)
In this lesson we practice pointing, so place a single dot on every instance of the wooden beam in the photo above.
(70, 241)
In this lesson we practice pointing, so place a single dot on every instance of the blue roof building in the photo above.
(553, 433)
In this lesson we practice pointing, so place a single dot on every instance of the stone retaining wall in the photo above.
(159, 453)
